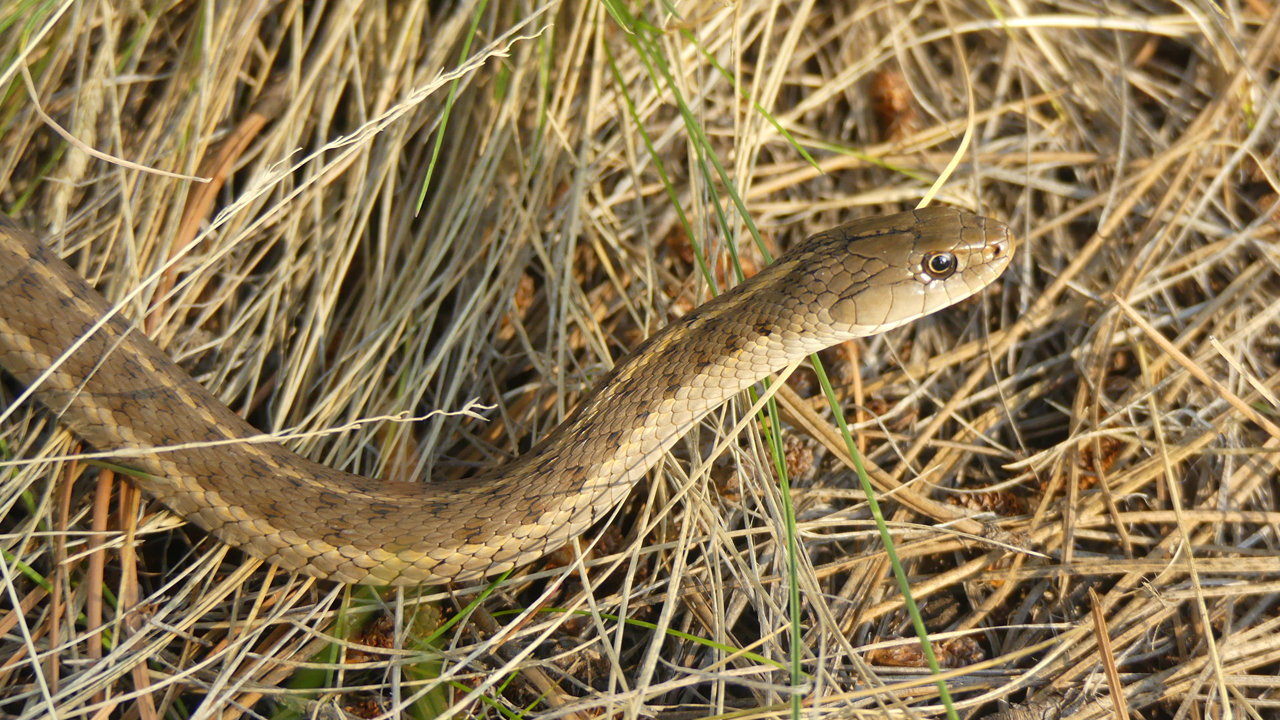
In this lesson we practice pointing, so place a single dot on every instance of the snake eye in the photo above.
(940, 265)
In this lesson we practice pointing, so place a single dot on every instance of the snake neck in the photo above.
(647, 402)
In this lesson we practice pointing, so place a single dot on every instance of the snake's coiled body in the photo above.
(119, 391)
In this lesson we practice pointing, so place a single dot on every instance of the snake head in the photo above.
(884, 273)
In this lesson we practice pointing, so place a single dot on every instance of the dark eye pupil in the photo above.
(941, 265)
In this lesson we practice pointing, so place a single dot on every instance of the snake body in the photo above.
(117, 390)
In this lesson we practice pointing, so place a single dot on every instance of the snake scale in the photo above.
(117, 390)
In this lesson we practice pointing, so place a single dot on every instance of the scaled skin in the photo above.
(858, 279)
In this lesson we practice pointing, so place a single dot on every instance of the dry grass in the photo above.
(1112, 494)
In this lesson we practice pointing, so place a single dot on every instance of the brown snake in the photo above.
(117, 390)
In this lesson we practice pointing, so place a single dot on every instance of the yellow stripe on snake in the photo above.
(118, 391)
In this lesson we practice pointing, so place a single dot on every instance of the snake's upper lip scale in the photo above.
(118, 391)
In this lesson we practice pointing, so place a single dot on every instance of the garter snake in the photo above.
(117, 390)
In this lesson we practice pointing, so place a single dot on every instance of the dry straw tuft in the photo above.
(1071, 478)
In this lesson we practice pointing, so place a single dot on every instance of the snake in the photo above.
(104, 380)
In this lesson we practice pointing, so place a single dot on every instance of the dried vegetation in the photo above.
(1090, 501)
